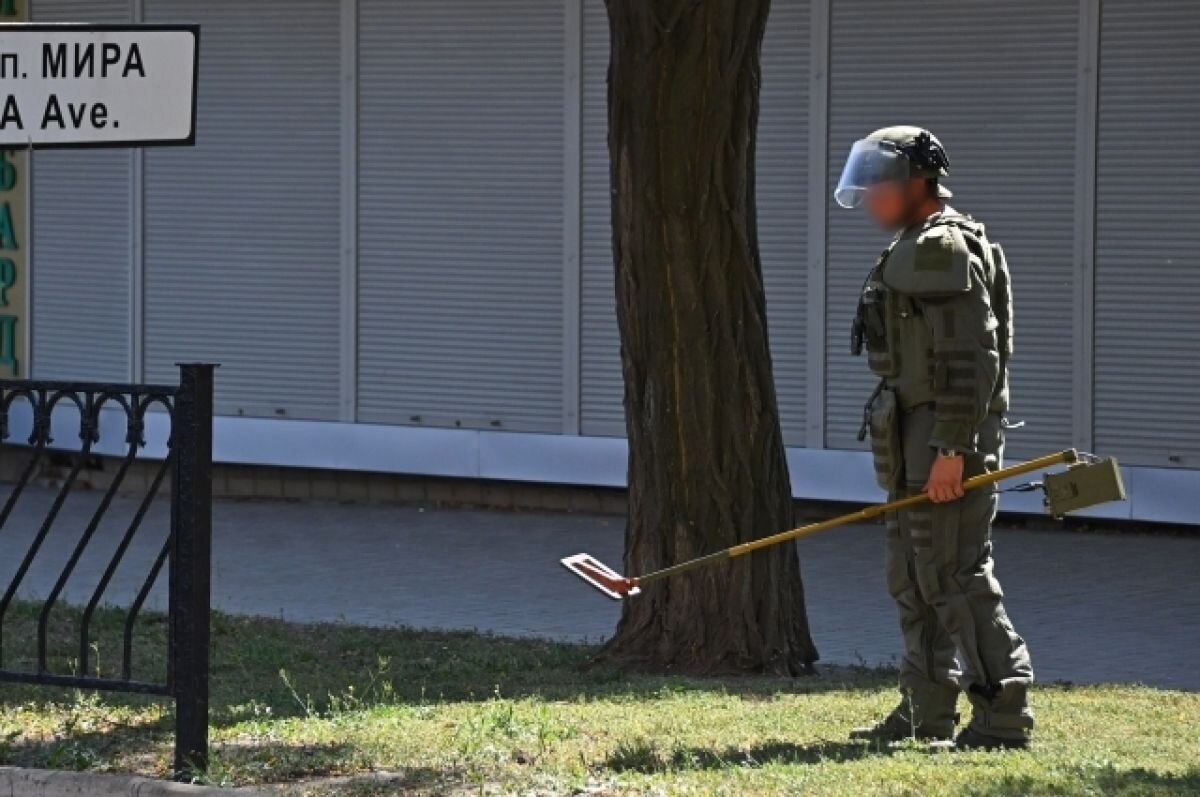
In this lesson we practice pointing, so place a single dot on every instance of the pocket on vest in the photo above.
(884, 422)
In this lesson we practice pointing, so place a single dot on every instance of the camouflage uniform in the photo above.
(936, 318)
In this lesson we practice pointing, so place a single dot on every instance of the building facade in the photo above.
(393, 232)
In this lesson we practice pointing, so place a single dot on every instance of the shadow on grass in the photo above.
(299, 670)
(1144, 781)
(146, 747)
(270, 760)
(1110, 782)
(305, 669)
(409, 780)
(76, 745)
(264, 670)
(645, 758)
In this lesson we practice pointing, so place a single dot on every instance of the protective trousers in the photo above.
(939, 570)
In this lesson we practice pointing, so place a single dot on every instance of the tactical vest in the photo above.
(897, 340)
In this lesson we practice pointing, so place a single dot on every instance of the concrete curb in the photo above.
(16, 782)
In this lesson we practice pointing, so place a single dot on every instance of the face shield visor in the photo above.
(870, 163)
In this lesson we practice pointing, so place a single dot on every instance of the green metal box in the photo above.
(1084, 485)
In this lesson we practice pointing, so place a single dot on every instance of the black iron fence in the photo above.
(185, 550)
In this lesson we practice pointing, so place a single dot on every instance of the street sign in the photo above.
(81, 85)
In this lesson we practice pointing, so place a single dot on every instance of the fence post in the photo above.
(191, 560)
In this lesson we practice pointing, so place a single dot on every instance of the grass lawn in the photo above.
(339, 710)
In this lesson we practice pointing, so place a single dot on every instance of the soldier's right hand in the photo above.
(945, 482)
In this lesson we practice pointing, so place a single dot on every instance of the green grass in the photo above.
(339, 710)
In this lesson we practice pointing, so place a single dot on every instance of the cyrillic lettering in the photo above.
(85, 57)
(56, 65)
(54, 61)
(8, 172)
(8, 278)
(111, 56)
(8, 65)
(134, 62)
(8, 343)
(8, 234)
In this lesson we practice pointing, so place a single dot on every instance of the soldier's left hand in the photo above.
(945, 480)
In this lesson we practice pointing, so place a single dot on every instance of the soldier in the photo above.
(936, 318)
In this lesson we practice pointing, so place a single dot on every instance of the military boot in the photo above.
(971, 739)
(899, 726)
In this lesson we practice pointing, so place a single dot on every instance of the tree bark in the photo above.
(706, 457)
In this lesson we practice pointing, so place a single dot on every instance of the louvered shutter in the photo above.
(601, 385)
(242, 231)
(81, 242)
(461, 213)
(782, 180)
(782, 219)
(996, 83)
(1147, 323)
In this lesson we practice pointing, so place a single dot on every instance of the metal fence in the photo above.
(186, 547)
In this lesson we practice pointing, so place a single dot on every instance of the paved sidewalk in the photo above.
(1093, 607)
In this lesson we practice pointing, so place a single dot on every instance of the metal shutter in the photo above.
(242, 232)
(81, 242)
(601, 387)
(782, 178)
(1147, 392)
(460, 213)
(996, 83)
(782, 219)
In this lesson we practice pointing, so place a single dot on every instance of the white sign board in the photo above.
(97, 85)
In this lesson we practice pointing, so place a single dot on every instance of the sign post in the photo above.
(78, 85)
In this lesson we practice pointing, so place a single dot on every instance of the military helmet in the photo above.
(897, 153)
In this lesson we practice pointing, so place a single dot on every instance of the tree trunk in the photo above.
(706, 458)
